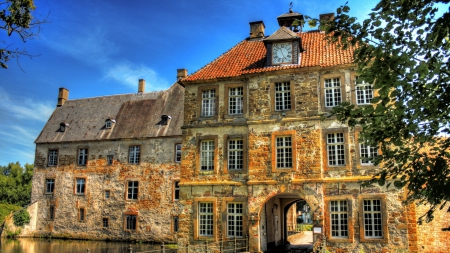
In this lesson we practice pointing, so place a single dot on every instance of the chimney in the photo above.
(181, 73)
(141, 86)
(63, 96)
(257, 29)
(326, 17)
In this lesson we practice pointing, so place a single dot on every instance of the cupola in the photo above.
(292, 20)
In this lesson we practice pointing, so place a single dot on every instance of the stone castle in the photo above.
(225, 152)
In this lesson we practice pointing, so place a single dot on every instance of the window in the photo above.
(81, 214)
(282, 96)
(63, 126)
(108, 124)
(235, 220)
(130, 222)
(107, 194)
(205, 217)
(105, 222)
(135, 153)
(178, 152)
(364, 92)
(132, 189)
(110, 159)
(236, 100)
(335, 149)
(80, 187)
(176, 190)
(339, 218)
(52, 157)
(208, 103)
(175, 223)
(51, 212)
(82, 156)
(207, 155)
(372, 218)
(367, 153)
(49, 185)
(284, 152)
(332, 89)
(235, 154)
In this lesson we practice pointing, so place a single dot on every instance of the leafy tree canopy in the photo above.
(16, 19)
(15, 184)
(403, 50)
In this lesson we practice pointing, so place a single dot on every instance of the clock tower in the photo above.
(284, 46)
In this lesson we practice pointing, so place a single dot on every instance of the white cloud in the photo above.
(27, 109)
(129, 75)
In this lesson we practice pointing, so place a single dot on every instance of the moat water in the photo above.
(33, 245)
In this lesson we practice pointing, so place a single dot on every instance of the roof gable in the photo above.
(282, 34)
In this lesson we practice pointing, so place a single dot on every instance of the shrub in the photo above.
(21, 217)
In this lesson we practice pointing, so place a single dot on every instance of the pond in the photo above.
(35, 245)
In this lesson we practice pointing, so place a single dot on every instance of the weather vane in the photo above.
(290, 7)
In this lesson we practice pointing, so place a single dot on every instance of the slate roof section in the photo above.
(281, 34)
(249, 56)
(136, 116)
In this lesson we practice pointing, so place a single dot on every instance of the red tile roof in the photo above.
(250, 57)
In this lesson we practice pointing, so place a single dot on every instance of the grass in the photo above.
(5, 209)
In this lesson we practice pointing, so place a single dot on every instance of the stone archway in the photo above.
(267, 218)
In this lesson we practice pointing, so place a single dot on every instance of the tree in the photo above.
(403, 50)
(16, 19)
(15, 184)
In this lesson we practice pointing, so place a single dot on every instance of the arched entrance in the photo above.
(276, 220)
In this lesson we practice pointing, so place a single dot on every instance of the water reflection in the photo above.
(33, 245)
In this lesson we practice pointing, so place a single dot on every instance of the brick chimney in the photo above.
(63, 96)
(257, 29)
(181, 73)
(141, 86)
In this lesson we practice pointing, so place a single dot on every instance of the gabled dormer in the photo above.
(284, 45)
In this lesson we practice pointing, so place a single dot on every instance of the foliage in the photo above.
(403, 49)
(15, 184)
(21, 217)
(16, 18)
(6, 209)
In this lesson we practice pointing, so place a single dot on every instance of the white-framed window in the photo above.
(372, 217)
(235, 219)
(333, 95)
(207, 155)
(81, 214)
(236, 100)
(82, 156)
(208, 103)
(134, 155)
(51, 212)
(176, 190)
(284, 151)
(364, 92)
(80, 186)
(178, 152)
(235, 154)
(205, 218)
(110, 159)
(339, 218)
(130, 222)
(282, 96)
(105, 222)
(49, 185)
(335, 149)
(52, 157)
(132, 189)
(367, 153)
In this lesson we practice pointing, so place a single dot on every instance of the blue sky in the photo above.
(102, 47)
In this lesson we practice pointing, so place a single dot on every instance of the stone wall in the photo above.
(154, 206)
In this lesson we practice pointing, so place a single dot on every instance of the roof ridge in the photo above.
(114, 95)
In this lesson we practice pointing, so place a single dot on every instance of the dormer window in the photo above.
(63, 126)
(109, 123)
(164, 119)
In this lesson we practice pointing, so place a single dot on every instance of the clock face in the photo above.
(282, 53)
